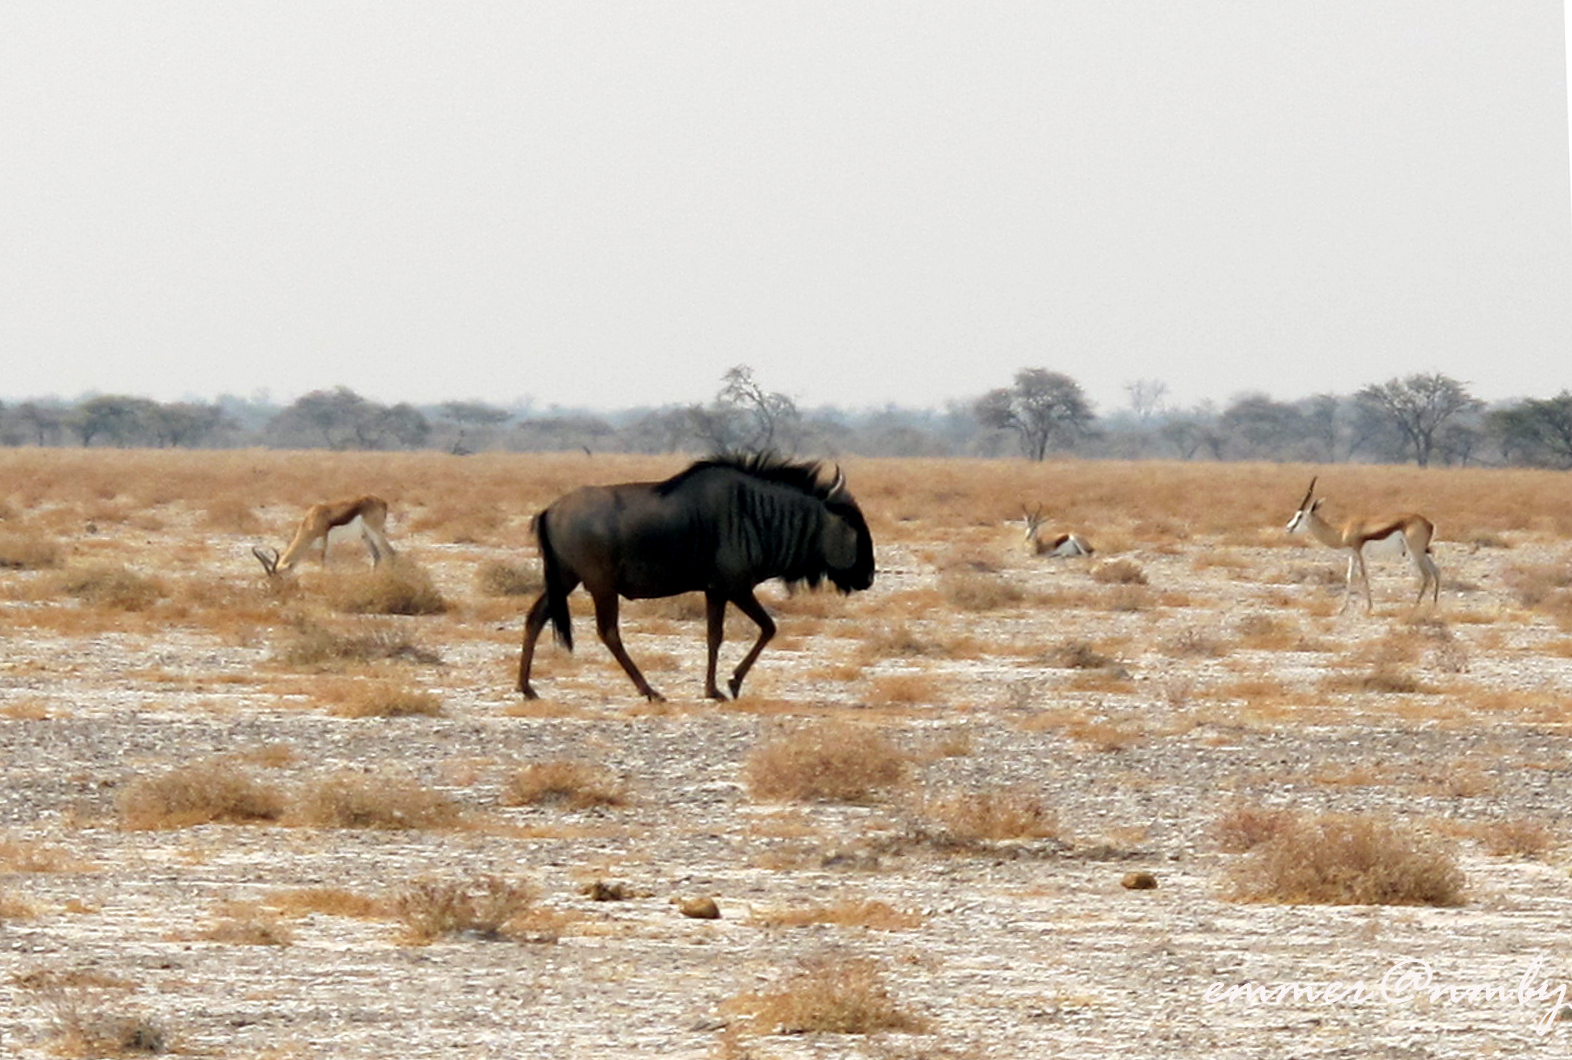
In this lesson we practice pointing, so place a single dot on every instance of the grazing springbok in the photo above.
(1043, 544)
(368, 512)
(721, 527)
(1407, 534)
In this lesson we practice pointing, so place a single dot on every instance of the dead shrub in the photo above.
(1344, 859)
(311, 644)
(1515, 838)
(1076, 655)
(27, 855)
(203, 792)
(829, 995)
(832, 761)
(508, 579)
(397, 587)
(359, 800)
(483, 908)
(978, 818)
(979, 590)
(1119, 572)
(1195, 643)
(329, 901)
(22, 551)
(115, 587)
(851, 912)
(562, 783)
(1244, 828)
(85, 1022)
(246, 924)
(378, 700)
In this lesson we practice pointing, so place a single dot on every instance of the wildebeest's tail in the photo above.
(556, 595)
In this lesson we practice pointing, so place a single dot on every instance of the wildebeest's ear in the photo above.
(839, 543)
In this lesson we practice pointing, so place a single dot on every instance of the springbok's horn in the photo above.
(269, 563)
(1309, 492)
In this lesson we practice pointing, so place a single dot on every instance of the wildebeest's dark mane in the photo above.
(802, 475)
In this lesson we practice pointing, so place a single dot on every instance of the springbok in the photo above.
(1042, 544)
(368, 512)
(1408, 534)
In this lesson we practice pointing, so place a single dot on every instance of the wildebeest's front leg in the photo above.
(606, 626)
(715, 613)
(532, 627)
(749, 605)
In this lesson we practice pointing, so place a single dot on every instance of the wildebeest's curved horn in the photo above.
(839, 485)
(269, 562)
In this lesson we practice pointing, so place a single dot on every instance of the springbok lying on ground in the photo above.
(368, 512)
(1044, 544)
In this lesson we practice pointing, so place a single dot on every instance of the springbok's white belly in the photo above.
(1391, 546)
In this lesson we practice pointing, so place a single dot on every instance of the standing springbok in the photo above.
(1042, 544)
(1407, 534)
(368, 512)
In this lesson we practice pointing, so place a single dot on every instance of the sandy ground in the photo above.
(1021, 948)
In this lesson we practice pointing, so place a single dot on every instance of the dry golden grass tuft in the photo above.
(1344, 859)
(499, 578)
(28, 551)
(970, 819)
(398, 587)
(1119, 572)
(979, 590)
(248, 924)
(869, 913)
(30, 855)
(309, 643)
(113, 587)
(906, 689)
(487, 907)
(88, 1020)
(203, 792)
(328, 901)
(829, 995)
(1517, 837)
(379, 699)
(1245, 827)
(832, 761)
(359, 800)
(16, 907)
(563, 783)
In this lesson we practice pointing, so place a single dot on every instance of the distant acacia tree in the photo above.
(1535, 431)
(1264, 428)
(1417, 409)
(744, 417)
(1045, 409)
(342, 419)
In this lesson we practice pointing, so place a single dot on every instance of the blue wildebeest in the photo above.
(721, 527)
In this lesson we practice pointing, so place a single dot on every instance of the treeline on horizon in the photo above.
(1424, 419)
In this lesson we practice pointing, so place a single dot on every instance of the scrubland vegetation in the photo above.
(247, 815)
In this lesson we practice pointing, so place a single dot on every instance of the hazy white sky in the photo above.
(609, 204)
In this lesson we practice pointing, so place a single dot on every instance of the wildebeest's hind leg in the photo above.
(606, 626)
(749, 605)
(532, 627)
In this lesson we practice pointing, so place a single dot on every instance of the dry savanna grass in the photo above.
(564, 783)
(829, 995)
(973, 818)
(202, 792)
(383, 801)
(314, 644)
(868, 913)
(397, 587)
(486, 907)
(1348, 859)
(382, 699)
(832, 761)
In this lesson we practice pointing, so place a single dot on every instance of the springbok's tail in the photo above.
(556, 596)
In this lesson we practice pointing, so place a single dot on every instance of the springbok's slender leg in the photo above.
(606, 626)
(749, 605)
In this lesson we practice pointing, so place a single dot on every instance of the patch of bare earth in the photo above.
(929, 827)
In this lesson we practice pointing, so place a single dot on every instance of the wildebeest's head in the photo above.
(848, 546)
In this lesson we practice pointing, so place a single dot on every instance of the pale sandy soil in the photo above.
(1029, 948)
